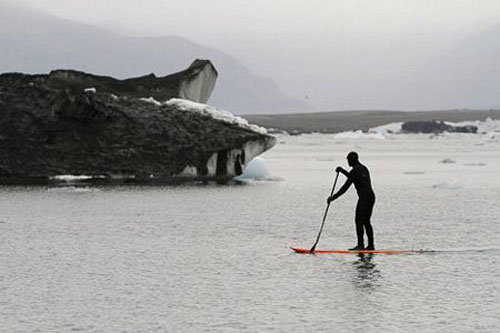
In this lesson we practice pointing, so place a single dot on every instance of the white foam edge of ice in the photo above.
(205, 109)
(69, 178)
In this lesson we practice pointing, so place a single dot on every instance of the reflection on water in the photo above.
(367, 274)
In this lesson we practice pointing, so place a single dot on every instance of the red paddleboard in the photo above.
(297, 250)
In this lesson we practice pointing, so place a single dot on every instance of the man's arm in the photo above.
(342, 190)
(342, 171)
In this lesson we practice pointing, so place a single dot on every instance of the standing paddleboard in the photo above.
(298, 250)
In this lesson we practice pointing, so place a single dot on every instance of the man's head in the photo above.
(352, 158)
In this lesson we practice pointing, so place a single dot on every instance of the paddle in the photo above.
(324, 216)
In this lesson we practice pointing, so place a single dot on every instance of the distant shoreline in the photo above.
(341, 121)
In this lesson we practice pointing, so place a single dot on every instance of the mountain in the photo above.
(37, 42)
(465, 75)
(468, 76)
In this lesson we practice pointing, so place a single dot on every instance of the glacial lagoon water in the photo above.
(212, 258)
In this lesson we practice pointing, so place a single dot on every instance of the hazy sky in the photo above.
(309, 47)
(214, 19)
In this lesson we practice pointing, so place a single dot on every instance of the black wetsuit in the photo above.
(360, 176)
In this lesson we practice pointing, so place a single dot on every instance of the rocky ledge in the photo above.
(73, 123)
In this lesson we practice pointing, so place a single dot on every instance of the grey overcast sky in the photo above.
(202, 19)
(309, 47)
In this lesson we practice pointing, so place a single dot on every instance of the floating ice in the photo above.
(475, 164)
(448, 161)
(90, 90)
(447, 185)
(387, 129)
(359, 134)
(488, 126)
(256, 169)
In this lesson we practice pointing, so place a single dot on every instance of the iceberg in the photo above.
(145, 129)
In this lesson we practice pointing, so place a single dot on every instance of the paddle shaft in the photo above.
(324, 215)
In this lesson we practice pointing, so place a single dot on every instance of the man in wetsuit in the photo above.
(360, 177)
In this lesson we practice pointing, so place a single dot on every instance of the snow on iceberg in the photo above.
(150, 100)
(214, 112)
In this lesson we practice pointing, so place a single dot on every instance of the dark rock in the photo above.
(435, 127)
(54, 125)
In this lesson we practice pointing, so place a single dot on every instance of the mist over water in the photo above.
(215, 258)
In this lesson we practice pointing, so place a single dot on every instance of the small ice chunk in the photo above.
(447, 185)
(256, 169)
(475, 164)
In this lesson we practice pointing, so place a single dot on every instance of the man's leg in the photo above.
(358, 219)
(368, 226)
(360, 233)
(369, 234)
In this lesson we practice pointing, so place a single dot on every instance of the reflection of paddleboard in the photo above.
(297, 250)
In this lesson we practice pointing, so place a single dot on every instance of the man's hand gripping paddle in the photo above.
(324, 216)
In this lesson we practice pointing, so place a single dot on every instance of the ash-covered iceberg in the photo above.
(141, 129)
(435, 127)
(195, 83)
